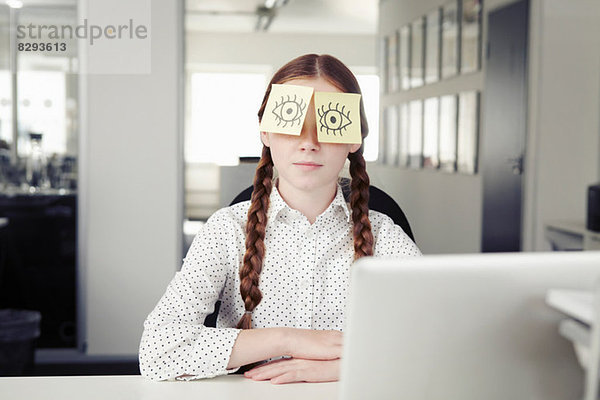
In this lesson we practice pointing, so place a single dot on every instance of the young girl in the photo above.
(280, 263)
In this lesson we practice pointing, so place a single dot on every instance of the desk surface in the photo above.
(136, 387)
(571, 235)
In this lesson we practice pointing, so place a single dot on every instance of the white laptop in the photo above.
(462, 327)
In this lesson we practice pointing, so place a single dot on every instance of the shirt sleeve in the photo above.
(391, 240)
(175, 341)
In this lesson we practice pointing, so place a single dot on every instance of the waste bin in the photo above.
(18, 331)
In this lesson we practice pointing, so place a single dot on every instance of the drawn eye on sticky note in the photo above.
(286, 109)
(338, 117)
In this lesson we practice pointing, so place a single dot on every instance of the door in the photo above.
(505, 126)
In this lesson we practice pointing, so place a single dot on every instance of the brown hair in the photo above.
(334, 71)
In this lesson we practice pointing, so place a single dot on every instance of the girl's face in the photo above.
(302, 161)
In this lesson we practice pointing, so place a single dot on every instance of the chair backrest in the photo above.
(378, 201)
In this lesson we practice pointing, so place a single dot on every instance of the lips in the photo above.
(310, 163)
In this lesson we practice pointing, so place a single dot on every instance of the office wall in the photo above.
(564, 109)
(563, 133)
(444, 209)
(130, 218)
(273, 49)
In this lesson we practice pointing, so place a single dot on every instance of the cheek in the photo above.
(277, 160)
(337, 155)
(279, 150)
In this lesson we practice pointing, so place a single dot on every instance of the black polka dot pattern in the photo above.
(304, 282)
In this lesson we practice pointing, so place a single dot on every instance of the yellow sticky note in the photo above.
(286, 109)
(338, 117)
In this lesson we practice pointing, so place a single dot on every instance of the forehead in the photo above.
(318, 84)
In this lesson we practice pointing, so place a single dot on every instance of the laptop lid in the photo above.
(460, 327)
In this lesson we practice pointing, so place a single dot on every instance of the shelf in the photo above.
(575, 303)
(580, 335)
(582, 329)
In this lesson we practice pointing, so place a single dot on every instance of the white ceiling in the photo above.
(44, 3)
(297, 16)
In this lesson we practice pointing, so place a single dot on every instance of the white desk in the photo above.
(569, 235)
(135, 387)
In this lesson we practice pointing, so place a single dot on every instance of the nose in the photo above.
(308, 139)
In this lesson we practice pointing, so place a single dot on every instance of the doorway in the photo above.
(505, 127)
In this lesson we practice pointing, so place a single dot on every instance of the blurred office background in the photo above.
(484, 126)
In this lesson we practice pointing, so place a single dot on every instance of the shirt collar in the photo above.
(277, 204)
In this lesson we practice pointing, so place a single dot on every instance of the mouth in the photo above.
(307, 166)
(308, 163)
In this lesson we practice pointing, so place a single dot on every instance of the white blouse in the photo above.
(304, 282)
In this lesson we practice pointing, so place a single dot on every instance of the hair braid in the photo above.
(255, 238)
(359, 202)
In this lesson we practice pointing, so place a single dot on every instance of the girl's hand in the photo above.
(314, 344)
(289, 370)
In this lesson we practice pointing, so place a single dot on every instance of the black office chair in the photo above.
(378, 201)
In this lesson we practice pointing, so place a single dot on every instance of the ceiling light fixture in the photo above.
(14, 3)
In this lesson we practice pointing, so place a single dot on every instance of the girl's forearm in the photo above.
(254, 345)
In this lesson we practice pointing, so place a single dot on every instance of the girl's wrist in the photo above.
(285, 341)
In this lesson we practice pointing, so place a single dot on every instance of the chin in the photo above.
(306, 186)
(311, 184)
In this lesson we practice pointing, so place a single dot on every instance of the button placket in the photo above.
(305, 282)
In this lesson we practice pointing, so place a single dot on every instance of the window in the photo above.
(223, 121)
(42, 109)
(223, 124)
(369, 85)
(5, 107)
